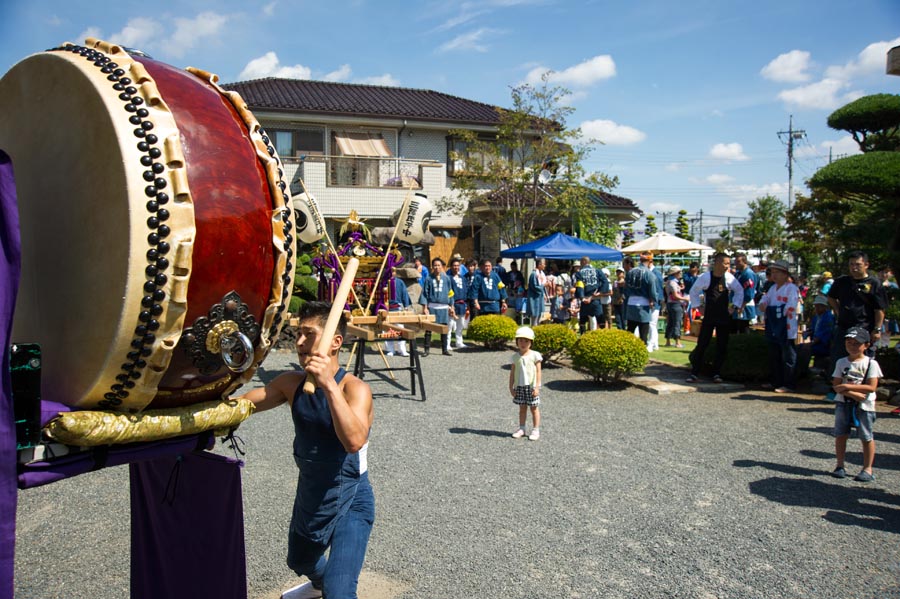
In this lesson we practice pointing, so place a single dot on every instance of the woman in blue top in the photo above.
(334, 506)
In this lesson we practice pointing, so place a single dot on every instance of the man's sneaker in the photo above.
(405, 354)
(864, 477)
(390, 353)
(839, 472)
(461, 346)
(717, 378)
(302, 591)
(692, 378)
(535, 435)
(784, 390)
(519, 433)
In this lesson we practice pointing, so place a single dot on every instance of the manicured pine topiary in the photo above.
(494, 330)
(609, 354)
(553, 340)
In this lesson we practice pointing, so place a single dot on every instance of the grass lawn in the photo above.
(673, 355)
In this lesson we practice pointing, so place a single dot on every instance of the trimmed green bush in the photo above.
(494, 330)
(552, 340)
(889, 360)
(296, 304)
(746, 361)
(609, 354)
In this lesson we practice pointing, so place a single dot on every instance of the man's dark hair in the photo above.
(628, 260)
(720, 256)
(858, 254)
(740, 255)
(694, 265)
(437, 260)
(319, 312)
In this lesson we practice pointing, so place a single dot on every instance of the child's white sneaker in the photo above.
(519, 433)
(535, 435)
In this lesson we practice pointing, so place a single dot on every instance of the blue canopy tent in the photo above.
(560, 246)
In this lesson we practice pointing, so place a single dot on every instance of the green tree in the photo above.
(627, 234)
(724, 243)
(650, 228)
(497, 178)
(764, 228)
(682, 226)
(869, 181)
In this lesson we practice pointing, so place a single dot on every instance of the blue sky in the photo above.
(688, 96)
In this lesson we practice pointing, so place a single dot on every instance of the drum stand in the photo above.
(367, 329)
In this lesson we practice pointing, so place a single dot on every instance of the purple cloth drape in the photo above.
(187, 528)
(10, 255)
(49, 471)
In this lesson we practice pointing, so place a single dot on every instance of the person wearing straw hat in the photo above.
(780, 307)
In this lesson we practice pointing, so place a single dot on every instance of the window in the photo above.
(464, 153)
(298, 142)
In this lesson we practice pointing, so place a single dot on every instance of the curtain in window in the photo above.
(361, 144)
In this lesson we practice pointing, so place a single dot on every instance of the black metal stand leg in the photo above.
(417, 365)
(360, 366)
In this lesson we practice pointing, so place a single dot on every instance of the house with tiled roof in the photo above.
(361, 147)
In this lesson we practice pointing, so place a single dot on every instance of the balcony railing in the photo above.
(352, 171)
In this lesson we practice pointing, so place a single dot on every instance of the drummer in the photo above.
(334, 506)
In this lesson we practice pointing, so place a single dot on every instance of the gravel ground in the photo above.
(627, 494)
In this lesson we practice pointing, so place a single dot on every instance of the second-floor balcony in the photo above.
(354, 171)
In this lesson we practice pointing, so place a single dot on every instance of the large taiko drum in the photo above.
(156, 231)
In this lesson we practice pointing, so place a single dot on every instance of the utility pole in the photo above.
(791, 136)
(665, 216)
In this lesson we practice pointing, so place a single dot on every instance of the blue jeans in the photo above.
(339, 574)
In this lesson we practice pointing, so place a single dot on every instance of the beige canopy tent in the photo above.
(663, 242)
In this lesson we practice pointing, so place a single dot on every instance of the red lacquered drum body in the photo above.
(157, 239)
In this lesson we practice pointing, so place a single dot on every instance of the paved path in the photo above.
(629, 493)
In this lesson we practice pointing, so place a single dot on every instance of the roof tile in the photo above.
(361, 100)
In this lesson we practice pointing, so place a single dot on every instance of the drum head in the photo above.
(75, 298)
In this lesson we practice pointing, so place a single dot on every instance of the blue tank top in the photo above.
(329, 475)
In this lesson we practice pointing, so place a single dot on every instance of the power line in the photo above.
(792, 136)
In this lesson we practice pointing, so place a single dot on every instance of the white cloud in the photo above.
(583, 74)
(190, 32)
(386, 80)
(825, 94)
(269, 66)
(717, 179)
(745, 193)
(341, 74)
(611, 133)
(673, 167)
(138, 33)
(871, 60)
(471, 41)
(732, 151)
(790, 67)
(836, 148)
(269, 9)
(89, 32)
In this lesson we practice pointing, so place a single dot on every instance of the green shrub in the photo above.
(306, 286)
(494, 330)
(296, 304)
(747, 358)
(609, 354)
(552, 340)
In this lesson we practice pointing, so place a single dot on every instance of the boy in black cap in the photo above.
(855, 379)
